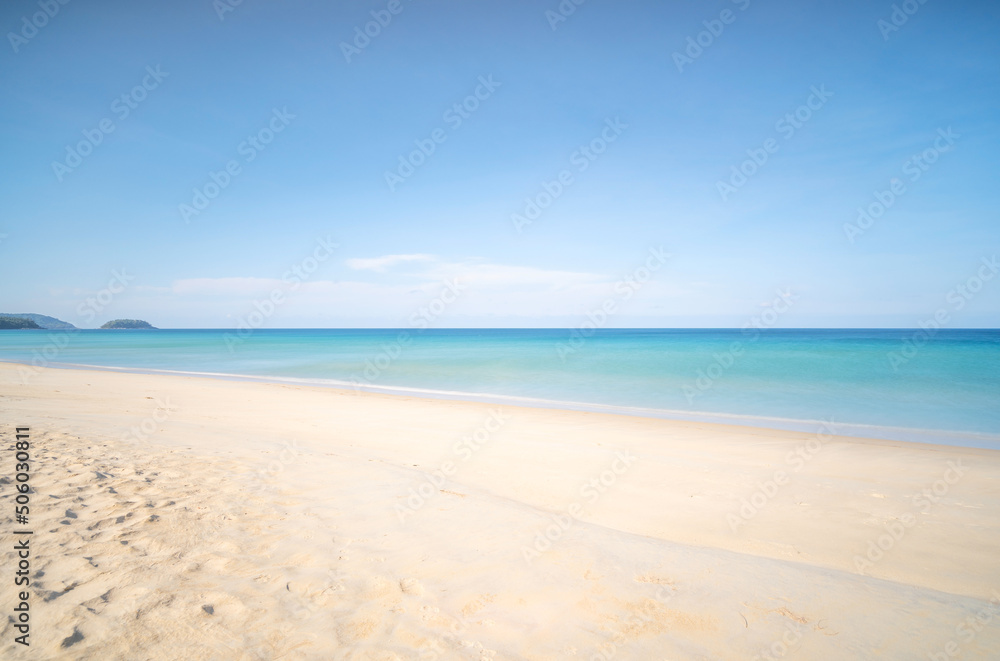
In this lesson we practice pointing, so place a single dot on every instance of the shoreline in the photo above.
(240, 520)
(962, 439)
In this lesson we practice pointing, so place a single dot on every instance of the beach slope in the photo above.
(176, 517)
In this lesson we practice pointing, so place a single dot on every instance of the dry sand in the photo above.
(186, 518)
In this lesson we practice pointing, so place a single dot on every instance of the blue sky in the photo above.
(885, 96)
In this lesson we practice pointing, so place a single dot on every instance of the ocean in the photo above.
(941, 387)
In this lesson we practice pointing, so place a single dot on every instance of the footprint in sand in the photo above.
(411, 586)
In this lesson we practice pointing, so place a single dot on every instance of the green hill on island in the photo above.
(8, 322)
(43, 321)
(128, 324)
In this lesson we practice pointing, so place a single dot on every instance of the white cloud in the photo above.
(478, 272)
(372, 292)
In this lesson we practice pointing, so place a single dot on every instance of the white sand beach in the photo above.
(192, 518)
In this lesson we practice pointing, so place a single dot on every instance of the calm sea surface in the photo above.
(877, 383)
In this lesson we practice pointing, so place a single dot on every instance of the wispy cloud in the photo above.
(371, 289)
(477, 272)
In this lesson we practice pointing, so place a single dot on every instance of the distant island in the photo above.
(42, 321)
(8, 322)
(128, 324)
(32, 321)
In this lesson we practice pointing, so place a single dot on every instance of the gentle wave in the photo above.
(906, 434)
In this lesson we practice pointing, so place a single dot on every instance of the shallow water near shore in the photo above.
(894, 384)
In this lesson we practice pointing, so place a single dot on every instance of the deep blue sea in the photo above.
(897, 384)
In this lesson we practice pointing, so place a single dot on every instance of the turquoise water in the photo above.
(947, 390)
